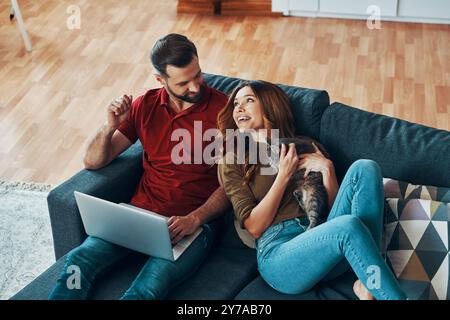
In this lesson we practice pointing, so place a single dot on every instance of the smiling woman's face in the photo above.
(247, 113)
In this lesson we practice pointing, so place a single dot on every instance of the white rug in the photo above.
(26, 244)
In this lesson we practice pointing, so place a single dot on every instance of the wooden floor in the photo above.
(52, 99)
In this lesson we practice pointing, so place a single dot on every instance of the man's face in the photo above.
(185, 83)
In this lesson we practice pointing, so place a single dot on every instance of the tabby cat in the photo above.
(309, 191)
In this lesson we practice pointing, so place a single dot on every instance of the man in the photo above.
(188, 193)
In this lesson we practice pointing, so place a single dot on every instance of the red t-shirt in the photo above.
(165, 187)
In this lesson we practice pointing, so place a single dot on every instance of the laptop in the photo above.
(130, 227)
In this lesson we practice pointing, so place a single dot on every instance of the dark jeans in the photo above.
(156, 279)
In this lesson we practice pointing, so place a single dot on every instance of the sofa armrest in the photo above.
(115, 182)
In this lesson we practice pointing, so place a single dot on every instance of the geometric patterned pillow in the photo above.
(416, 244)
(406, 190)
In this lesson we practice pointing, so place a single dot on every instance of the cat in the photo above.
(310, 192)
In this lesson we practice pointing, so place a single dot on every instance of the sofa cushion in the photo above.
(206, 283)
(223, 275)
(308, 105)
(408, 221)
(340, 288)
(416, 246)
(405, 151)
(233, 233)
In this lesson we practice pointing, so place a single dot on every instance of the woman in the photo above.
(289, 259)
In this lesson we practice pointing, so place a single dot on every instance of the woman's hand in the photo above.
(288, 162)
(314, 162)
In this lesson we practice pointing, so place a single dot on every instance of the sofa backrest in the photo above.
(308, 105)
(405, 151)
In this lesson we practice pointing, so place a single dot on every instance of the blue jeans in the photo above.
(155, 280)
(293, 261)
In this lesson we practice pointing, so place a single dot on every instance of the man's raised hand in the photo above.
(118, 110)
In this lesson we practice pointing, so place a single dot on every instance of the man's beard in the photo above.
(187, 97)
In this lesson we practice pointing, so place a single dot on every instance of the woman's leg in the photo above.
(82, 266)
(361, 195)
(295, 265)
(159, 276)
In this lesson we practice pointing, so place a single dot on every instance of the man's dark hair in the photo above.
(174, 49)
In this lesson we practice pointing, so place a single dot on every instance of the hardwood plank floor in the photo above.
(53, 99)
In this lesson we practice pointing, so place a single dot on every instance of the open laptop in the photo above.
(130, 227)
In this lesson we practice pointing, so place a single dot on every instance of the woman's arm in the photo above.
(330, 183)
(262, 215)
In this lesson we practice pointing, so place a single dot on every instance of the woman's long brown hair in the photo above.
(276, 109)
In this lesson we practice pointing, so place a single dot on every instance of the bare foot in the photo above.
(361, 291)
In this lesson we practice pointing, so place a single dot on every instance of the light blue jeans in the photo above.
(293, 261)
(155, 280)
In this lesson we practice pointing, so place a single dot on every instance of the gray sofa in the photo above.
(405, 151)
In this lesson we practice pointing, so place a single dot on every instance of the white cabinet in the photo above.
(387, 7)
(424, 9)
(432, 11)
(306, 5)
(287, 6)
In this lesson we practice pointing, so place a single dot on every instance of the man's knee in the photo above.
(77, 256)
(88, 253)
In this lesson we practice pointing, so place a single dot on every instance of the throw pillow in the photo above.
(416, 244)
(405, 190)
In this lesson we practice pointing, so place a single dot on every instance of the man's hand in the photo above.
(182, 226)
(118, 110)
